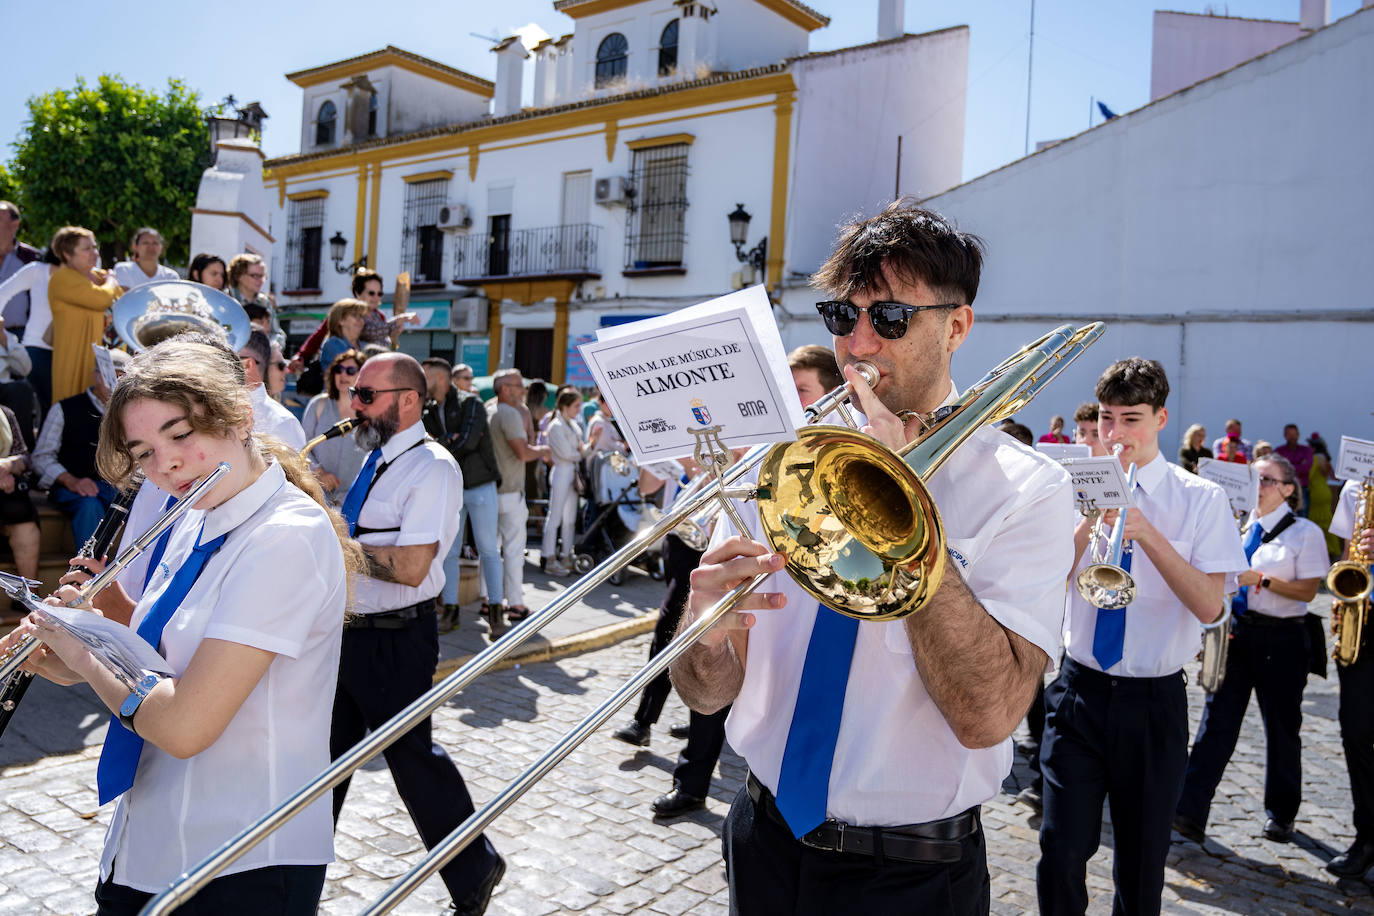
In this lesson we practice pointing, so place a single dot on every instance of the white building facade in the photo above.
(525, 229)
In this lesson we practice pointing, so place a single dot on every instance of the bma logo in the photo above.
(700, 413)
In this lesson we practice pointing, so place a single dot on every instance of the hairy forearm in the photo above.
(708, 677)
(981, 676)
(406, 565)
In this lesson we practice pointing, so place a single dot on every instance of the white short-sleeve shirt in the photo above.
(128, 274)
(277, 583)
(1008, 516)
(1343, 519)
(1161, 634)
(1297, 552)
(419, 494)
(270, 417)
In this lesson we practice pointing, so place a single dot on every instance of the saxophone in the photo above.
(1350, 582)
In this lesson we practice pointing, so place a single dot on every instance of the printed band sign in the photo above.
(1060, 451)
(1098, 483)
(1240, 482)
(1356, 459)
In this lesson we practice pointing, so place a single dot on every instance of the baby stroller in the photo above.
(613, 514)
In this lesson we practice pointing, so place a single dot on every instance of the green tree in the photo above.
(8, 189)
(112, 157)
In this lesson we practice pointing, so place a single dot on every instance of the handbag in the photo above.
(1316, 642)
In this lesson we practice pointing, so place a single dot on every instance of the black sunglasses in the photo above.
(368, 395)
(889, 319)
(346, 370)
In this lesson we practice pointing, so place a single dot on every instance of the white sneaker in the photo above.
(556, 569)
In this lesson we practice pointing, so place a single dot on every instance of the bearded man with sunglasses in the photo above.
(872, 746)
(403, 509)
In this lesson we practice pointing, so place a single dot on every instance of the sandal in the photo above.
(517, 612)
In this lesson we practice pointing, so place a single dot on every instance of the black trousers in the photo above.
(1357, 735)
(678, 562)
(770, 872)
(380, 673)
(697, 762)
(283, 890)
(1272, 661)
(1125, 740)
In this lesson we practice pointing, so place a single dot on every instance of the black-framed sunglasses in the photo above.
(889, 319)
(368, 395)
(1266, 481)
(346, 370)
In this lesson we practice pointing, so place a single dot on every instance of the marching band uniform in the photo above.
(391, 646)
(907, 791)
(1119, 729)
(1269, 654)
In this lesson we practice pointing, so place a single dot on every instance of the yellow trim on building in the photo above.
(316, 194)
(392, 57)
(373, 214)
(559, 370)
(592, 7)
(665, 140)
(358, 240)
(473, 152)
(436, 175)
(612, 131)
(240, 215)
(782, 157)
(796, 13)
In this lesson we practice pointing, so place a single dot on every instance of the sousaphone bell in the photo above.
(153, 312)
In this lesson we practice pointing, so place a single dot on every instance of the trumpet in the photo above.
(807, 491)
(1351, 581)
(1106, 584)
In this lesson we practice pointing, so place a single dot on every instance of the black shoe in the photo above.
(1278, 831)
(675, 803)
(476, 903)
(679, 730)
(496, 620)
(1030, 797)
(1354, 862)
(449, 620)
(1189, 829)
(1029, 748)
(634, 732)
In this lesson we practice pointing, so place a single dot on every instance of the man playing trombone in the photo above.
(872, 746)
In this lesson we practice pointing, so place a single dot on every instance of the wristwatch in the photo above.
(135, 699)
(1264, 581)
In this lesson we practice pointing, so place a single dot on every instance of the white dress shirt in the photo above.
(1298, 552)
(1343, 519)
(1008, 516)
(419, 493)
(272, 418)
(1161, 634)
(128, 274)
(278, 584)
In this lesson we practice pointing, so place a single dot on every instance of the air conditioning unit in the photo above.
(468, 316)
(454, 215)
(617, 190)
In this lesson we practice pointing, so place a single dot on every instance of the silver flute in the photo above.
(17, 654)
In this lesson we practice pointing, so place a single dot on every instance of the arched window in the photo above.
(612, 57)
(667, 49)
(324, 124)
(372, 115)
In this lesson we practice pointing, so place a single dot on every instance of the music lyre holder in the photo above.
(715, 459)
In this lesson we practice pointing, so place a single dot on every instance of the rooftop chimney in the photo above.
(1315, 15)
(545, 73)
(891, 19)
(510, 70)
(695, 38)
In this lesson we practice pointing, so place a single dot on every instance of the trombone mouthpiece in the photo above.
(868, 371)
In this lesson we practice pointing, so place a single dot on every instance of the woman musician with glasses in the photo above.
(337, 461)
(244, 719)
(1269, 655)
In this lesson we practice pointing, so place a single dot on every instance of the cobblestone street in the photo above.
(583, 840)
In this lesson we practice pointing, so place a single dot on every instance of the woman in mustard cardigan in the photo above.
(79, 294)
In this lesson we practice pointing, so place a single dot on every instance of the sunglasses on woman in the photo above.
(347, 370)
(889, 319)
(368, 395)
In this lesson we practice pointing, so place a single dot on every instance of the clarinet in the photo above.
(96, 546)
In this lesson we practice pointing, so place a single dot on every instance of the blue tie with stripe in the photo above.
(119, 757)
(357, 493)
(159, 546)
(1253, 537)
(804, 780)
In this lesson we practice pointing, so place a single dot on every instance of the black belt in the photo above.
(1256, 619)
(934, 842)
(390, 620)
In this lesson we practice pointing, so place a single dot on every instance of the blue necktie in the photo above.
(119, 757)
(1109, 636)
(357, 493)
(159, 546)
(1241, 603)
(804, 781)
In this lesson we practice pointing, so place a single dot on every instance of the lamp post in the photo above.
(337, 246)
(755, 257)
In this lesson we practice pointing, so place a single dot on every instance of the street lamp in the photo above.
(739, 234)
(337, 245)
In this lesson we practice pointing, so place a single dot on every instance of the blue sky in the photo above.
(1083, 49)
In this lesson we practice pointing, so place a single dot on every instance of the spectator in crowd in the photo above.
(814, 372)
(268, 416)
(1018, 431)
(14, 254)
(1232, 449)
(1262, 449)
(144, 266)
(337, 461)
(345, 321)
(259, 317)
(1322, 509)
(276, 373)
(79, 294)
(65, 455)
(1085, 428)
(1318, 445)
(18, 517)
(1244, 448)
(1193, 448)
(602, 432)
(511, 443)
(1056, 433)
(15, 391)
(377, 328)
(1300, 456)
(537, 418)
(565, 447)
(462, 377)
(209, 270)
(247, 276)
(24, 295)
(16, 301)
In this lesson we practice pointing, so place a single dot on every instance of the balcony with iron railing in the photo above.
(552, 252)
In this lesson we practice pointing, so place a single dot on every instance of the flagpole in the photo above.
(1030, 61)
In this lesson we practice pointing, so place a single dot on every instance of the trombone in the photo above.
(1105, 583)
(801, 492)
